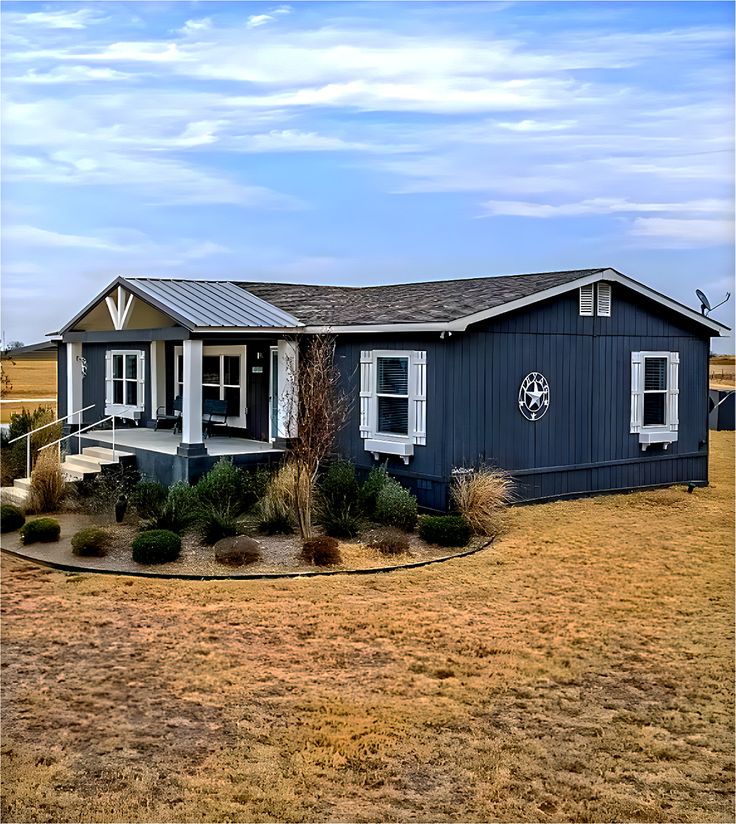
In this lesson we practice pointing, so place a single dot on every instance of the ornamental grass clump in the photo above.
(90, 542)
(156, 546)
(445, 530)
(482, 496)
(396, 506)
(275, 510)
(180, 511)
(40, 530)
(11, 518)
(47, 483)
(149, 498)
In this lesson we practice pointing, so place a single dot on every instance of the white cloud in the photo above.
(601, 206)
(72, 74)
(256, 20)
(36, 237)
(65, 19)
(195, 26)
(684, 232)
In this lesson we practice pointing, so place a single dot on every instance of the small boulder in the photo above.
(237, 550)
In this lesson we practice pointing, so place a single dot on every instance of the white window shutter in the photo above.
(673, 392)
(604, 300)
(367, 388)
(637, 392)
(586, 300)
(108, 377)
(418, 394)
(141, 379)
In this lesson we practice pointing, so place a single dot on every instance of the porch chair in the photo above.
(173, 419)
(214, 413)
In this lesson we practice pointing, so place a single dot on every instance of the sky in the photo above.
(362, 143)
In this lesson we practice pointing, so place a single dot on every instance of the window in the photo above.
(603, 307)
(125, 383)
(586, 300)
(223, 378)
(393, 401)
(654, 397)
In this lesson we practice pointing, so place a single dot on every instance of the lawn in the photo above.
(580, 669)
(29, 379)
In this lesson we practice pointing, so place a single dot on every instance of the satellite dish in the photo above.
(704, 302)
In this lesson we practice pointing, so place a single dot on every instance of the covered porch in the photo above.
(168, 442)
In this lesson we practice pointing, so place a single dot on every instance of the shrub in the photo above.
(14, 455)
(180, 512)
(11, 518)
(338, 510)
(40, 530)
(344, 522)
(223, 487)
(156, 546)
(47, 483)
(148, 498)
(482, 497)
(445, 530)
(276, 508)
(215, 524)
(237, 551)
(321, 551)
(396, 506)
(390, 542)
(92, 541)
(255, 483)
(98, 495)
(373, 484)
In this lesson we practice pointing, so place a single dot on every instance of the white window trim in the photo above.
(666, 433)
(242, 419)
(386, 443)
(125, 410)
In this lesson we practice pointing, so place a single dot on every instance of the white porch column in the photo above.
(288, 356)
(73, 382)
(191, 407)
(158, 376)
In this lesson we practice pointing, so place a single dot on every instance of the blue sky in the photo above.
(362, 143)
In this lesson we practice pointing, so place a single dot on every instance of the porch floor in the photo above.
(166, 442)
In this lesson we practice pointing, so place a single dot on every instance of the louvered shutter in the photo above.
(586, 300)
(108, 377)
(604, 300)
(366, 393)
(141, 380)
(419, 396)
(637, 394)
(673, 392)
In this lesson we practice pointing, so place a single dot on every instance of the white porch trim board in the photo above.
(158, 375)
(74, 379)
(191, 409)
(288, 358)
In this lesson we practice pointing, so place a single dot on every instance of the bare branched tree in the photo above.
(322, 410)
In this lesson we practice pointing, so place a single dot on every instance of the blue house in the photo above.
(576, 382)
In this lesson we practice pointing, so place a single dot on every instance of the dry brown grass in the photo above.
(580, 669)
(30, 379)
(47, 483)
(722, 371)
(482, 498)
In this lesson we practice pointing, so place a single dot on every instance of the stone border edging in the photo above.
(253, 576)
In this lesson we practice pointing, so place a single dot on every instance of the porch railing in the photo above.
(38, 429)
(78, 433)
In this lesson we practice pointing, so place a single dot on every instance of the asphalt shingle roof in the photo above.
(431, 301)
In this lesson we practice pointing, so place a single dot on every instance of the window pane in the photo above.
(655, 373)
(232, 396)
(654, 409)
(393, 416)
(393, 376)
(210, 393)
(231, 370)
(211, 369)
(117, 366)
(117, 391)
(131, 366)
(131, 393)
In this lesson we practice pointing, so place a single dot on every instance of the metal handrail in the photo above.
(38, 429)
(91, 426)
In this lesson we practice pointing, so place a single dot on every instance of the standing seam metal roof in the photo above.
(214, 303)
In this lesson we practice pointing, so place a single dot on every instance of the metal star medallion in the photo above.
(534, 396)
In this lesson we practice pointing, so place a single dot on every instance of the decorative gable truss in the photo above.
(120, 310)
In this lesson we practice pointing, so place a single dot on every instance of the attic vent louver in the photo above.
(586, 300)
(603, 309)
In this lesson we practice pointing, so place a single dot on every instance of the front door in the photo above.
(273, 415)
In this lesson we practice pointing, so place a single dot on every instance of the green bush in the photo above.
(91, 541)
(156, 546)
(321, 551)
(181, 511)
(41, 530)
(275, 522)
(338, 509)
(214, 525)
(445, 530)
(396, 506)
(148, 498)
(223, 487)
(373, 484)
(11, 518)
(344, 522)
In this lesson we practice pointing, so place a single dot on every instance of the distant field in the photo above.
(30, 379)
(723, 370)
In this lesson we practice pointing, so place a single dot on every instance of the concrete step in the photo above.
(13, 495)
(23, 484)
(85, 463)
(105, 454)
(72, 473)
